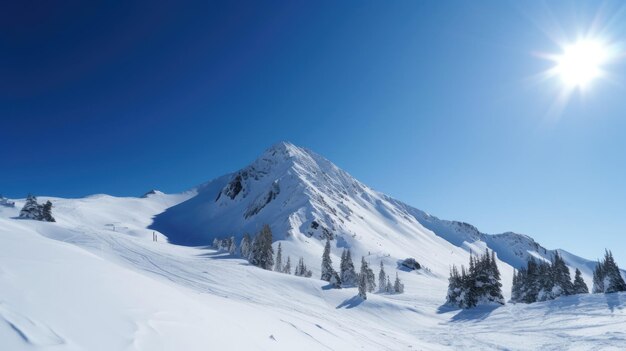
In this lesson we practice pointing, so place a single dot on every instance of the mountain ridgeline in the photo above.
(307, 200)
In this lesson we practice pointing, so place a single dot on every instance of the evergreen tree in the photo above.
(262, 254)
(302, 270)
(287, 267)
(598, 279)
(370, 278)
(455, 288)
(615, 279)
(278, 262)
(31, 209)
(335, 280)
(493, 291)
(469, 297)
(562, 281)
(216, 244)
(232, 246)
(579, 286)
(546, 282)
(382, 278)
(481, 284)
(348, 275)
(327, 264)
(245, 246)
(363, 279)
(388, 286)
(398, 287)
(531, 282)
(46, 212)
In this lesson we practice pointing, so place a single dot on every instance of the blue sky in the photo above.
(435, 103)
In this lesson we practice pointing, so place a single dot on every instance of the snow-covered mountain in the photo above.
(96, 280)
(305, 199)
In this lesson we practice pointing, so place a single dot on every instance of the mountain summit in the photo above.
(306, 199)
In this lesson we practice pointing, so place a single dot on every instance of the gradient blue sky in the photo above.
(431, 102)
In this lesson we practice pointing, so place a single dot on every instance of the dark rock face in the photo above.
(410, 264)
(234, 187)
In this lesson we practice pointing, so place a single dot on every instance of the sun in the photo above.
(581, 62)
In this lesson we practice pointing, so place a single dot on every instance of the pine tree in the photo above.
(598, 279)
(363, 279)
(216, 244)
(388, 286)
(302, 270)
(46, 212)
(370, 279)
(494, 289)
(287, 267)
(262, 254)
(481, 284)
(455, 287)
(398, 287)
(232, 246)
(348, 275)
(531, 282)
(579, 284)
(327, 264)
(278, 262)
(382, 278)
(613, 275)
(31, 209)
(562, 281)
(245, 246)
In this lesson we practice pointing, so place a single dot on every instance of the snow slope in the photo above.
(79, 285)
(94, 280)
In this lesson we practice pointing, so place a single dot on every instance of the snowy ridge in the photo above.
(306, 198)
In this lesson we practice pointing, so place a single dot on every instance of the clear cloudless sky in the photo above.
(433, 102)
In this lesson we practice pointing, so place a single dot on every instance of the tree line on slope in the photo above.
(365, 280)
(538, 281)
(259, 252)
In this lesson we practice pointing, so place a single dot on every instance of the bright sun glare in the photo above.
(581, 62)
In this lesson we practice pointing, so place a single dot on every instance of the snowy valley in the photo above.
(96, 280)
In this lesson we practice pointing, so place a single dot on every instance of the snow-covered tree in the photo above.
(46, 212)
(348, 276)
(561, 279)
(216, 244)
(370, 277)
(245, 246)
(481, 284)
(302, 270)
(388, 286)
(607, 277)
(382, 278)
(262, 254)
(327, 264)
(598, 279)
(455, 288)
(31, 209)
(287, 266)
(232, 246)
(363, 279)
(579, 284)
(278, 262)
(398, 287)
